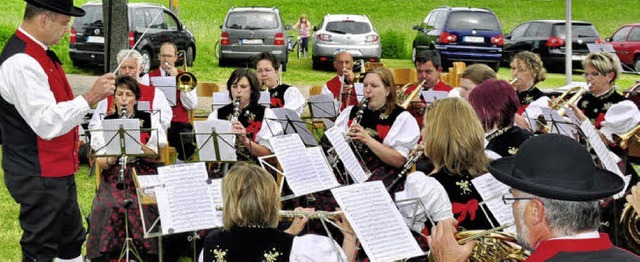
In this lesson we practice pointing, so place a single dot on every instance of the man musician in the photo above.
(341, 85)
(428, 68)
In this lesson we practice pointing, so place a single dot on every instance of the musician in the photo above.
(341, 85)
(555, 190)
(250, 215)
(496, 104)
(106, 225)
(527, 70)
(474, 75)
(185, 102)
(282, 95)
(454, 142)
(39, 122)
(251, 128)
(600, 71)
(428, 67)
(149, 95)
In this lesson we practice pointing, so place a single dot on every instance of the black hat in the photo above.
(556, 167)
(64, 7)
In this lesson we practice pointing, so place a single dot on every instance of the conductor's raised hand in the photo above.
(103, 87)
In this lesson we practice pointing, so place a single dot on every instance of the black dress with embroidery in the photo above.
(107, 220)
(506, 141)
(251, 117)
(529, 95)
(277, 95)
(595, 107)
(465, 200)
(247, 244)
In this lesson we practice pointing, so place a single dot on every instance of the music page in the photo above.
(431, 95)
(603, 152)
(491, 191)
(129, 138)
(220, 99)
(322, 106)
(166, 84)
(186, 199)
(215, 134)
(376, 221)
(300, 168)
(346, 155)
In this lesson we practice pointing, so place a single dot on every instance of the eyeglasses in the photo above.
(508, 198)
(594, 74)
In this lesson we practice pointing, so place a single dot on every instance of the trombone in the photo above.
(405, 101)
(185, 81)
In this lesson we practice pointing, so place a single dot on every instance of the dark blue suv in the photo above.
(471, 35)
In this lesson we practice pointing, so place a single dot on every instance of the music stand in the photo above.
(215, 141)
(292, 124)
(166, 84)
(127, 132)
(323, 106)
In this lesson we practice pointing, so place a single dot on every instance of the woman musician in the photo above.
(249, 125)
(107, 225)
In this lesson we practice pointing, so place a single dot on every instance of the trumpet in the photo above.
(318, 214)
(405, 101)
(236, 109)
(629, 142)
(560, 103)
(185, 81)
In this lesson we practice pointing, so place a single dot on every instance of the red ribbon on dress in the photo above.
(276, 102)
(471, 207)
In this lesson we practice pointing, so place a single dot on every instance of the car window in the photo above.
(153, 19)
(576, 31)
(621, 35)
(93, 16)
(440, 20)
(426, 19)
(252, 20)
(519, 31)
(348, 27)
(635, 34)
(468, 20)
(172, 24)
(535, 29)
(138, 20)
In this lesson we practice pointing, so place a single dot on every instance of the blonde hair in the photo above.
(251, 197)
(603, 62)
(533, 62)
(387, 80)
(454, 138)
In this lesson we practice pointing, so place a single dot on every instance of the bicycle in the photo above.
(293, 44)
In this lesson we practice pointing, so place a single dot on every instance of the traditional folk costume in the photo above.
(598, 248)
(594, 107)
(505, 141)
(418, 113)
(288, 97)
(528, 96)
(334, 86)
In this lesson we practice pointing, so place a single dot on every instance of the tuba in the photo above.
(630, 228)
(405, 100)
(185, 81)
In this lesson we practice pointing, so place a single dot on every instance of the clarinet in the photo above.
(120, 183)
(236, 109)
(360, 112)
(412, 159)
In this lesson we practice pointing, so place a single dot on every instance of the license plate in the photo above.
(95, 39)
(251, 41)
(473, 39)
(353, 51)
(578, 57)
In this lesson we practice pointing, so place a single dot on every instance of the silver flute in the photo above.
(318, 214)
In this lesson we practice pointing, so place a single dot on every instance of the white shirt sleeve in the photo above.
(145, 80)
(294, 100)
(325, 90)
(316, 248)
(98, 114)
(404, 134)
(432, 195)
(159, 137)
(160, 103)
(24, 84)
(189, 99)
(269, 129)
(213, 115)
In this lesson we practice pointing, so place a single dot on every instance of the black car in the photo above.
(87, 34)
(461, 34)
(547, 38)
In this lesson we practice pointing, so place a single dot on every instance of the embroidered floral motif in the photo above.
(249, 115)
(464, 186)
(584, 104)
(141, 122)
(512, 150)
(528, 99)
(607, 106)
(271, 256)
(220, 254)
(383, 116)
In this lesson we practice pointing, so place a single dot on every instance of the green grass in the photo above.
(204, 17)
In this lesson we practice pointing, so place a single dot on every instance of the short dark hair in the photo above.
(266, 56)
(428, 55)
(32, 11)
(175, 48)
(238, 74)
(130, 83)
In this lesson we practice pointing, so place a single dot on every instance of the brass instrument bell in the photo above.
(185, 81)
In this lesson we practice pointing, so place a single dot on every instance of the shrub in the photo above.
(393, 45)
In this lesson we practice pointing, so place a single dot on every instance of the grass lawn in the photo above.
(204, 17)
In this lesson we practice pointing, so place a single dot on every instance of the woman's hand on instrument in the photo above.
(298, 222)
(240, 131)
(444, 246)
(578, 112)
(358, 133)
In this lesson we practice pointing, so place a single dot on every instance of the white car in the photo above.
(353, 33)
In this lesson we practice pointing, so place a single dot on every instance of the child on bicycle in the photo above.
(304, 27)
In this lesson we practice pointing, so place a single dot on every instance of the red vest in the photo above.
(147, 93)
(180, 114)
(334, 86)
(415, 112)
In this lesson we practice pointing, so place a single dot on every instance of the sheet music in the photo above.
(112, 136)
(328, 123)
(376, 221)
(185, 201)
(602, 152)
(305, 173)
(293, 124)
(265, 99)
(322, 106)
(220, 99)
(149, 181)
(557, 124)
(166, 84)
(205, 140)
(346, 155)
(491, 191)
(431, 96)
(359, 87)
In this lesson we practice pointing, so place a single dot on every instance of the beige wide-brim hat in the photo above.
(620, 119)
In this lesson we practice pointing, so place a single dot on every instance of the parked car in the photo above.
(547, 38)
(353, 33)
(86, 43)
(461, 34)
(248, 31)
(626, 42)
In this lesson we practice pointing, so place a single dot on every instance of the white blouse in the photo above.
(294, 100)
(269, 129)
(432, 195)
(158, 137)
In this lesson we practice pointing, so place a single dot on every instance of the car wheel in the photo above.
(146, 61)
(222, 62)
(190, 56)
(636, 63)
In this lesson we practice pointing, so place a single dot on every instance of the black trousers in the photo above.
(184, 143)
(49, 216)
